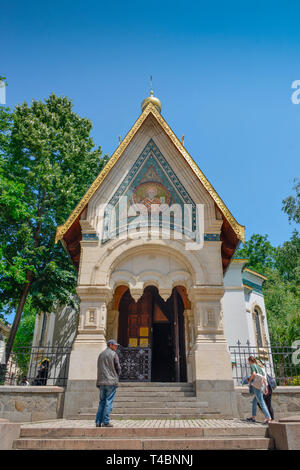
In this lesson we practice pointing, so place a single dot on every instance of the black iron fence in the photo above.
(279, 361)
(135, 364)
(36, 366)
(50, 365)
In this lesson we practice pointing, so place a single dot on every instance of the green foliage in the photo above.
(23, 339)
(25, 332)
(47, 162)
(259, 252)
(287, 261)
(283, 307)
(291, 205)
(3, 79)
(281, 266)
(295, 381)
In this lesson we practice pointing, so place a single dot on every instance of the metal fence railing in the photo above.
(37, 366)
(278, 361)
(50, 365)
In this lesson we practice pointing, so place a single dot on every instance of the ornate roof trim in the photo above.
(248, 270)
(150, 108)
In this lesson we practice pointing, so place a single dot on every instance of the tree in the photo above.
(291, 205)
(48, 160)
(281, 266)
(287, 261)
(259, 251)
(25, 331)
(282, 307)
(21, 355)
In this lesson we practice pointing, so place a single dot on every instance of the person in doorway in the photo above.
(42, 375)
(108, 374)
(259, 388)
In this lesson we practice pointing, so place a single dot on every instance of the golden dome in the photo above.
(152, 99)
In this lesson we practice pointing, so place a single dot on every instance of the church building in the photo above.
(153, 244)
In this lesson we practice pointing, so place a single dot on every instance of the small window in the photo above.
(258, 328)
(43, 329)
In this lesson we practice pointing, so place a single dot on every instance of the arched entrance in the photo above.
(155, 328)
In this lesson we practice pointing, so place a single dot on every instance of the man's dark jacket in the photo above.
(108, 368)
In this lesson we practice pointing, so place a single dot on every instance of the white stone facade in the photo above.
(240, 301)
(151, 165)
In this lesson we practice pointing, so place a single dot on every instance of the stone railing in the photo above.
(31, 403)
(285, 401)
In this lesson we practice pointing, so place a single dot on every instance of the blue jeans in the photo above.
(107, 394)
(259, 397)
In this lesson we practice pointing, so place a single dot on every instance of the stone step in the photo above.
(154, 389)
(156, 384)
(153, 415)
(152, 394)
(141, 432)
(190, 443)
(148, 404)
(149, 410)
(163, 399)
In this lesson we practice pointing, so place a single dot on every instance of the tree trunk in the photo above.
(29, 279)
(18, 316)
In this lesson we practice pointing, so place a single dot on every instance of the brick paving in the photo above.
(147, 423)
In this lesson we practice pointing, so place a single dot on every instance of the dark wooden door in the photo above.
(159, 325)
(135, 320)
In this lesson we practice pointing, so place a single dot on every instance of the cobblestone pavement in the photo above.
(146, 423)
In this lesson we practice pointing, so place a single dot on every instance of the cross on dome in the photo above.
(151, 99)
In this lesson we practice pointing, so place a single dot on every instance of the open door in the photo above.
(157, 325)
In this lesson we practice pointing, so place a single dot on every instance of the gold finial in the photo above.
(119, 140)
(151, 99)
(183, 139)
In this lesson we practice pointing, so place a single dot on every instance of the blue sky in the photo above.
(223, 71)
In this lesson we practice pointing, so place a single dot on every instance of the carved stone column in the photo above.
(112, 325)
(89, 343)
(189, 341)
(115, 325)
(91, 336)
(211, 362)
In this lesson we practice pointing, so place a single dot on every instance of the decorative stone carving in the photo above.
(136, 293)
(93, 313)
(90, 318)
(189, 331)
(112, 324)
(209, 318)
(165, 293)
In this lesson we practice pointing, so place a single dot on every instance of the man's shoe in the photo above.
(98, 425)
(108, 425)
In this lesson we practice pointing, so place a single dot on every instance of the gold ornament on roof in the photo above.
(151, 99)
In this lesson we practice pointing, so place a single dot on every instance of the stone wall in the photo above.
(285, 402)
(24, 404)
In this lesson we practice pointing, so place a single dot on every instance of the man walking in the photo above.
(107, 380)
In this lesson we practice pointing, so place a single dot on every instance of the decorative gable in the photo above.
(151, 180)
(231, 232)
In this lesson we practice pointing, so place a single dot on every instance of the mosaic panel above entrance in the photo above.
(152, 183)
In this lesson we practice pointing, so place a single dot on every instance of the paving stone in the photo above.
(151, 423)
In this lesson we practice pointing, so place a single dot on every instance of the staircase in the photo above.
(134, 435)
(147, 416)
(153, 400)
